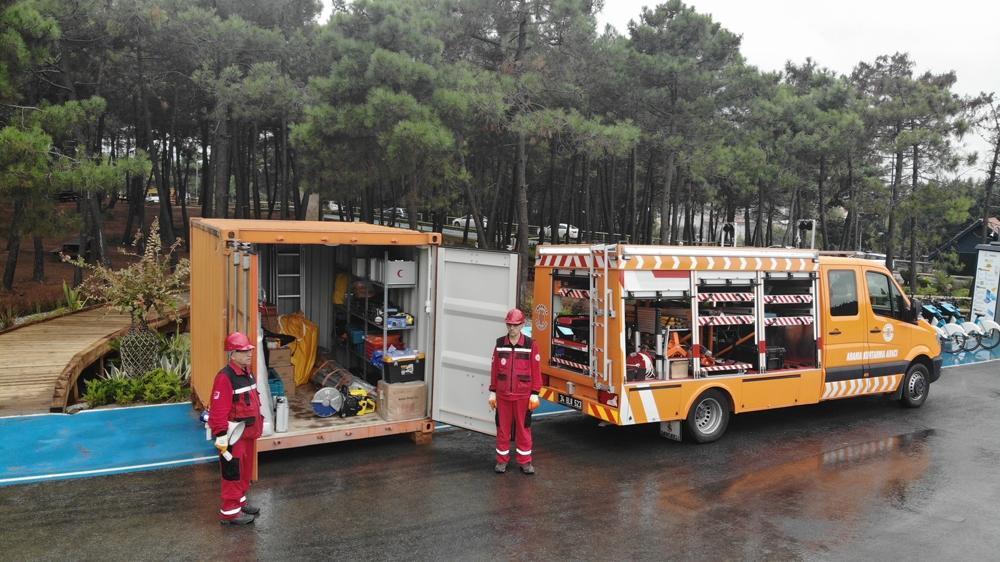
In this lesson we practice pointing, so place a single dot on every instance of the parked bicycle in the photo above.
(989, 336)
(973, 332)
(951, 335)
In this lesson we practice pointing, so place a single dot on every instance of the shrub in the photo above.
(156, 386)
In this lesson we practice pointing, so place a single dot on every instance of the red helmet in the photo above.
(514, 316)
(237, 341)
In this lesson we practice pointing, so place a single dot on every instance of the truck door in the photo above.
(475, 289)
(888, 338)
(845, 329)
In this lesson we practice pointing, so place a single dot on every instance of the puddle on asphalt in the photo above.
(834, 484)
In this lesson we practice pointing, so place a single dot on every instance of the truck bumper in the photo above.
(936, 368)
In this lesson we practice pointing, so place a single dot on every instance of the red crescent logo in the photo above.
(399, 273)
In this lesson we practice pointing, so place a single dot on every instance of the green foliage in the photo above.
(74, 301)
(175, 355)
(155, 386)
(8, 314)
(151, 283)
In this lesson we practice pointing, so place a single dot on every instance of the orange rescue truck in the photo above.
(687, 336)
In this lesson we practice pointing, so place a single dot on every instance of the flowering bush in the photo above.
(151, 283)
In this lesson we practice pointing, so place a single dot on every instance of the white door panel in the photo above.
(475, 289)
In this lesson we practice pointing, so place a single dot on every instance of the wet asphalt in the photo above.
(856, 479)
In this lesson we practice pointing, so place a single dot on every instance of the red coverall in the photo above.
(235, 398)
(515, 376)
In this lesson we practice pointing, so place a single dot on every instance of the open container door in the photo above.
(475, 289)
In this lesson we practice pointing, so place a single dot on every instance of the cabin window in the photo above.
(843, 293)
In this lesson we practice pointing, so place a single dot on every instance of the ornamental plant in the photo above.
(152, 283)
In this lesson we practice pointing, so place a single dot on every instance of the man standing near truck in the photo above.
(515, 380)
(235, 399)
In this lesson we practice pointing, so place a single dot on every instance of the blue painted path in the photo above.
(97, 442)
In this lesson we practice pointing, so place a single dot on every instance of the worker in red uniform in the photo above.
(515, 380)
(235, 399)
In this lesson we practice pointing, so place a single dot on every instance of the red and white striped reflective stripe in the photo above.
(857, 387)
(729, 367)
(725, 297)
(725, 320)
(789, 321)
(787, 299)
(575, 293)
(569, 261)
(574, 364)
(570, 344)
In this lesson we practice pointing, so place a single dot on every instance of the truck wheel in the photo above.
(916, 385)
(708, 418)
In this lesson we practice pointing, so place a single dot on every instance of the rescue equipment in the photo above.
(327, 402)
(356, 402)
(232, 436)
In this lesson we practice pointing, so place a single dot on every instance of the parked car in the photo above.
(152, 199)
(460, 222)
(397, 213)
(574, 232)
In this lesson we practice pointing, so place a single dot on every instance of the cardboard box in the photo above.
(287, 375)
(279, 357)
(402, 401)
(679, 369)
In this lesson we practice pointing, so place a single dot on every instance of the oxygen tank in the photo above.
(281, 415)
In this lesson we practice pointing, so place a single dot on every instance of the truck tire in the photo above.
(708, 418)
(916, 384)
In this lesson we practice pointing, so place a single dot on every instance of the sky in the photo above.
(959, 35)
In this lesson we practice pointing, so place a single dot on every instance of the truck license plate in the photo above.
(574, 403)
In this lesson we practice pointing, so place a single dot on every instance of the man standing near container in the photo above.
(515, 380)
(235, 399)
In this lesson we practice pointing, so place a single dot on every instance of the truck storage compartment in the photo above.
(375, 305)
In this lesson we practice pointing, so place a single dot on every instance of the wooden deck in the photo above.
(40, 363)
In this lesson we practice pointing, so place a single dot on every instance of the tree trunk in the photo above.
(890, 231)
(206, 178)
(821, 205)
(913, 221)
(220, 166)
(284, 169)
(668, 172)
(991, 179)
(13, 243)
(39, 271)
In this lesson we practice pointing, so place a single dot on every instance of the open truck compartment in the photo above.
(390, 308)
(625, 318)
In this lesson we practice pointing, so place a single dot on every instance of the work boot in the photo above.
(241, 519)
(527, 469)
(251, 509)
(500, 468)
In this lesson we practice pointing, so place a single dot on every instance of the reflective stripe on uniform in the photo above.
(230, 511)
(243, 499)
(505, 349)
(522, 349)
(499, 452)
(245, 389)
(525, 453)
